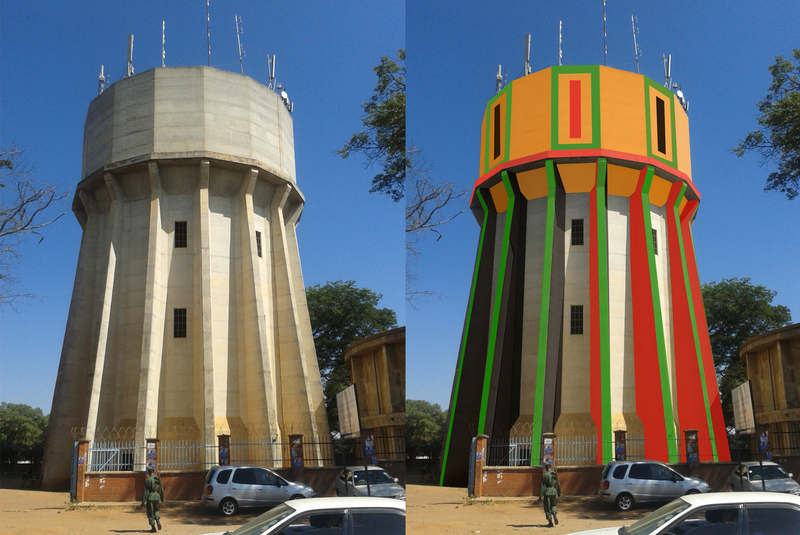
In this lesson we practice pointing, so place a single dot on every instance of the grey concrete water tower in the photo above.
(188, 315)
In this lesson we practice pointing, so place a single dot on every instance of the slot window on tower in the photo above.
(258, 243)
(576, 319)
(577, 232)
(655, 241)
(179, 323)
(180, 234)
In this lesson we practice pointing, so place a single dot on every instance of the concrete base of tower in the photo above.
(575, 424)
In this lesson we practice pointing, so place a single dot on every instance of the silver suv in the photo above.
(626, 482)
(230, 487)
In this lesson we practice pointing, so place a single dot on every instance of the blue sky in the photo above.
(50, 57)
(720, 54)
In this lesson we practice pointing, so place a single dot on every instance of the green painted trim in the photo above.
(506, 148)
(544, 311)
(497, 305)
(666, 393)
(605, 322)
(594, 71)
(670, 96)
(479, 195)
(695, 332)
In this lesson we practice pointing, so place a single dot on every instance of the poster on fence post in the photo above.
(620, 445)
(224, 450)
(549, 449)
(152, 454)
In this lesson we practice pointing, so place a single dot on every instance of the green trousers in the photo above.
(153, 514)
(550, 501)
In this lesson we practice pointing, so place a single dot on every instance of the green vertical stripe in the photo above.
(544, 311)
(602, 288)
(501, 271)
(666, 396)
(695, 332)
(479, 195)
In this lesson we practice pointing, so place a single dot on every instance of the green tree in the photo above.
(384, 139)
(424, 431)
(735, 311)
(341, 313)
(24, 211)
(778, 139)
(22, 431)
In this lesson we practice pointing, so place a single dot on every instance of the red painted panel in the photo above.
(575, 108)
(649, 404)
(595, 378)
(691, 405)
(720, 433)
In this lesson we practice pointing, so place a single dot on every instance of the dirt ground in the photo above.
(430, 510)
(445, 510)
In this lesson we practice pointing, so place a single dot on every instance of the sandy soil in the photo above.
(430, 510)
(445, 510)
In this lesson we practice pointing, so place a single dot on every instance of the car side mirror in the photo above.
(791, 475)
(398, 481)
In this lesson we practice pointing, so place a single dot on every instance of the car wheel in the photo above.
(228, 507)
(624, 502)
(297, 497)
(692, 491)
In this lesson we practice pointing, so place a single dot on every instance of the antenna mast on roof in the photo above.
(238, 40)
(163, 40)
(636, 50)
(667, 71)
(129, 71)
(500, 79)
(101, 83)
(559, 43)
(208, 33)
(271, 69)
(605, 48)
(527, 68)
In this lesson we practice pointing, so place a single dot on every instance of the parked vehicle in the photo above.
(329, 516)
(718, 513)
(230, 487)
(750, 476)
(352, 482)
(625, 483)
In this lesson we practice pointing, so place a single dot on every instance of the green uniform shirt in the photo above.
(550, 484)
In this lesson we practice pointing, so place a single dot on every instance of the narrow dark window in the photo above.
(258, 243)
(179, 323)
(655, 241)
(577, 232)
(661, 126)
(576, 319)
(180, 234)
(497, 131)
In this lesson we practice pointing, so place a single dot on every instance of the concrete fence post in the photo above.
(620, 445)
(224, 450)
(298, 459)
(83, 459)
(480, 462)
(152, 454)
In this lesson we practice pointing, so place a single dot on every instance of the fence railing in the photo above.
(113, 456)
(186, 455)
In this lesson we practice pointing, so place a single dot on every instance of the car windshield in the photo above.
(376, 477)
(769, 472)
(656, 519)
(262, 523)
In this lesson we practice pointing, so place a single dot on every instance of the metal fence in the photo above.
(113, 456)
(186, 455)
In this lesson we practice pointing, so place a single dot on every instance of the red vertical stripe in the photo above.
(720, 432)
(649, 403)
(691, 407)
(574, 108)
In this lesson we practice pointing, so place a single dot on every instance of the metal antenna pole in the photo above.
(239, 41)
(636, 50)
(559, 43)
(101, 82)
(163, 54)
(499, 85)
(208, 33)
(527, 68)
(129, 70)
(605, 48)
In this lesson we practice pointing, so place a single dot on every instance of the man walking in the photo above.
(551, 490)
(152, 498)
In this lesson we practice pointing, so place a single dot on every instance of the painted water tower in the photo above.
(188, 316)
(585, 315)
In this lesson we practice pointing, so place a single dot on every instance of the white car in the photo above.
(727, 513)
(766, 476)
(329, 516)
